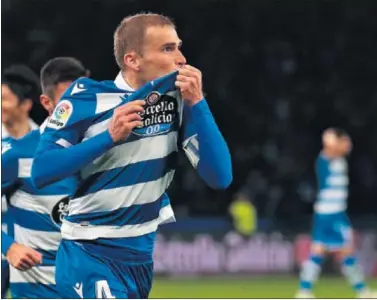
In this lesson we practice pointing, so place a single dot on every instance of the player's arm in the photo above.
(203, 142)
(61, 154)
(19, 256)
(320, 170)
(6, 242)
(205, 146)
(9, 170)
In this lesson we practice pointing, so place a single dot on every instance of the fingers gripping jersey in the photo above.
(122, 192)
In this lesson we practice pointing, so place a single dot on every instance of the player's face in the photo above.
(11, 108)
(345, 145)
(161, 53)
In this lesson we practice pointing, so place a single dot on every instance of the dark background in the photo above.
(276, 74)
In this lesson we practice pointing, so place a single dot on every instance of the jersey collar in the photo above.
(122, 84)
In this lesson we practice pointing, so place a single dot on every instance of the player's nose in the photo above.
(181, 60)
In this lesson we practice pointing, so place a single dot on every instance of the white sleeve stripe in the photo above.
(191, 148)
(64, 143)
(24, 167)
(186, 141)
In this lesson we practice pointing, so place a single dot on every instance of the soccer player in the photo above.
(37, 213)
(124, 150)
(19, 88)
(20, 257)
(332, 230)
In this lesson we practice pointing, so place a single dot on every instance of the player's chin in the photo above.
(5, 117)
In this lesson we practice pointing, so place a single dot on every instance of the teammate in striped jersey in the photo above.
(332, 230)
(19, 88)
(124, 150)
(37, 213)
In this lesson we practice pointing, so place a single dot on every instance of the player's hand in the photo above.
(23, 258)
(189, 81)
(125, 119)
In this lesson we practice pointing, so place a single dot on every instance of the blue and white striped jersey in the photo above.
(333, 180)
(36, 213)
(121, 199)
(6, 141)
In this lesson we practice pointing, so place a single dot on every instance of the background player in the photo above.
(19, 89)
(37, 213)
(332, 230)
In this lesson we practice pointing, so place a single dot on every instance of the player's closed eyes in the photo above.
(168, 49)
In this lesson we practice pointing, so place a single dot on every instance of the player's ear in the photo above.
(132, 61)
(47, 103)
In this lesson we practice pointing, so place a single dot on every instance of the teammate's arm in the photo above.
(203, 142)
(9, 170)
(19, 256)
(54, 162)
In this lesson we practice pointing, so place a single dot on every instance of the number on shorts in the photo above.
(103, 290)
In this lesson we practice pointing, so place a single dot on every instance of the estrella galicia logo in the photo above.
(159, 115)
(60, 210)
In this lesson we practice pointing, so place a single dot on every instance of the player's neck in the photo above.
(18, 129)
(132, 81)
(329, 154)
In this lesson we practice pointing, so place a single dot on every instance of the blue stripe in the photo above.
(131, 174)
(33, 291)
(336, 200)
(63, 187)
(133, 250)
(134, 214)
(48, 257)
(32, 220)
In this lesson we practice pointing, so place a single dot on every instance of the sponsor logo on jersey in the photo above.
(159, 116)
(60, 210)
(61, 115)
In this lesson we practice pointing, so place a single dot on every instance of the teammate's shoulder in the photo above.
(322, 158)
(82, 89)
(23, 146)
(32, 137)
(6, 144)
(84, 100)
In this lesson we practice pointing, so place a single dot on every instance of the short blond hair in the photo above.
(130, 33)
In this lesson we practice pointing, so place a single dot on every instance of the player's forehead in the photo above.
(157, 36)
(4, 88)
(6, 91)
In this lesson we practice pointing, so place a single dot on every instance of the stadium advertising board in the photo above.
(230, 253)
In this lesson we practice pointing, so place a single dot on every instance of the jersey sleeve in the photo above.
(320, 170)
(9, 170)
(71, 116)
(6, 242)
(62, 150)
(190, 143)
(205, 146)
